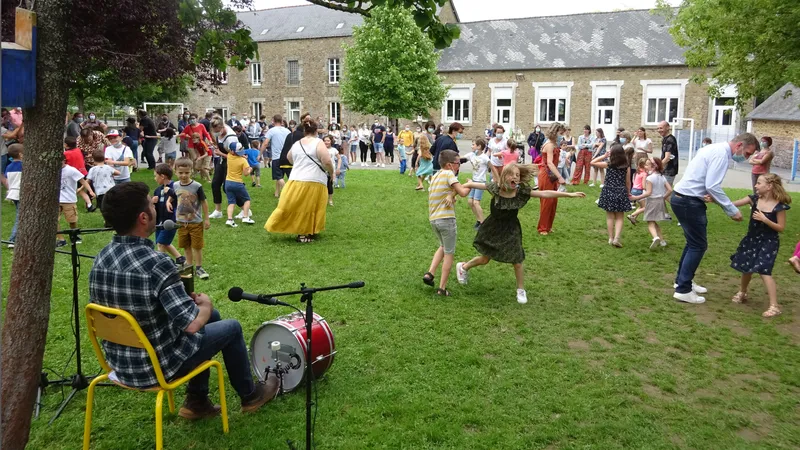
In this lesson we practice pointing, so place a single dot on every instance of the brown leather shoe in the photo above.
(194, 408)
(265, 391)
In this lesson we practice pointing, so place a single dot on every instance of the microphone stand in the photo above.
(78, 381)
(307, 296)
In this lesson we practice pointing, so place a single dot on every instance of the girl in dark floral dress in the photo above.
(614, 196)
(500, 235)
(759, 247)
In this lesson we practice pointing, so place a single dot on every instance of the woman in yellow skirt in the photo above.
(302, 206)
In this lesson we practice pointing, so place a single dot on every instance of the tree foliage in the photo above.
(423, 12)
(390, 69)
(753, 44)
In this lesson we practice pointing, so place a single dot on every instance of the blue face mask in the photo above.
(459, 136)
(623, 140)
(739, 158)
(558, 140)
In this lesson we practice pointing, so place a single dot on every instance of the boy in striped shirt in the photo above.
(441, 195)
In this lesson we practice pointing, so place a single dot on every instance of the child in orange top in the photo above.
(204, 155)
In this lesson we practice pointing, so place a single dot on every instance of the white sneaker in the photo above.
(239, 216)
(591, 184)
(597, 201)
(663, 243)
(522, 296)
(601, 185)
(231, 223)
(656, 242)
(248, 220)
(461, 274)
(695, 288)
(215, 215)
(383, 165)
(690, 297)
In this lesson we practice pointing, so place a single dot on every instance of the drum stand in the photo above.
(307, 296)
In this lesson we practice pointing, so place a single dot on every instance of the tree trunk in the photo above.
(28, 307)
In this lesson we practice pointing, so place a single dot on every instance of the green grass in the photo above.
(600, 357)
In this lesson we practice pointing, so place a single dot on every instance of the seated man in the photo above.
(184, 329)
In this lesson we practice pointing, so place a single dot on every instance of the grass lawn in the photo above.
(600, 357)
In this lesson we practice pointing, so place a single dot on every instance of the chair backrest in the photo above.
(120, 327)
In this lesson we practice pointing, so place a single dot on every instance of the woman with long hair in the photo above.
(599, 150)
(550, 177)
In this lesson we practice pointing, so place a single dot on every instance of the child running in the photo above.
(101, 175)
(254, 160)
(192, 216)
(500, 236)
(614, 196)
(234, 185)
(480, 165)
(442, 214)
(204, 155)
(424, 167)
(166, 201)
(638, 187)
(759, 248)
(342, 166)
(656, 190)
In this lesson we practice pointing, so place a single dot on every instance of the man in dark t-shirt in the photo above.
(150, 134)
(446, 142)
(669, 152)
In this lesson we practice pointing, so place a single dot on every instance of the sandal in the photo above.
(419, 188)
(771, 312)
(740, 297)
(428, 278)
(304, 239)
(445, 292)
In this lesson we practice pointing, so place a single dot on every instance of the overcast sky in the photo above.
(473, 10)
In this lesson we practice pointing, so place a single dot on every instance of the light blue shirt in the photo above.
(277, 136)
(585, 143)
(705, 173)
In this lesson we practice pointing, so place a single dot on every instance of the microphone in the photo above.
(356, 284)
(236, 294)
(167, 225)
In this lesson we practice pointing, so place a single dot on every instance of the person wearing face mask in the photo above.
(669, 152)
(253, 130)
(194, 126)
(150, 134)
(233, 121)
(74, 125)
(702, 183)
(550, 177)
(496, 145)
(584, 157)
(446, 142)
(762, 160)
(132, 132)
(363, 144)
(93, 122)
(406, 145)
(535, 142)
(184, 120)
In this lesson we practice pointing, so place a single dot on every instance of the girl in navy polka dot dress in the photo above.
(759, 247)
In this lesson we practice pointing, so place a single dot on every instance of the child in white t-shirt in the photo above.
(480, 164)
(101, 176)
(68, 198)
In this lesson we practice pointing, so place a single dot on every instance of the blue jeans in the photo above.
(691, 213)
(340, 179)
(135, 150)
(225, 336)
(16, 221)
(378, 147)
(403, 166)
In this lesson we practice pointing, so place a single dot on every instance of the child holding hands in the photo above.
(656, 190)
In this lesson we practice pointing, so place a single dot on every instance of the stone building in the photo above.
(602, 69)
(779, 118)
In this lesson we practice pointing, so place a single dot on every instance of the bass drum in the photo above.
(290, 331)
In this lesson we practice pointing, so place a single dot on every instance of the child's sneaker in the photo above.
(215, 215)
(656, 242)
(591, 184)
(61, 243)
(78, 239)
(201, 273)
(663, 243)
(461, 274)
(248, 220)
(477, 225)
(231, 223)
(180, 261)
(11, 245)
(522, 296)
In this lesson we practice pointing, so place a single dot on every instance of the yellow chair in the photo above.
(118, 326)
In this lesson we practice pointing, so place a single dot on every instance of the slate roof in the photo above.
(611, 39)
(282, 23)
(784, 104)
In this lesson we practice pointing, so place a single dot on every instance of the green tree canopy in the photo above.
(390, 69)
(753, 44)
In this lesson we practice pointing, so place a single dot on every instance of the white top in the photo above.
(641, 145)
(305, 168)
(562, 158)
(226, 138)
(496, 147)
(120, 154)
(102, 178)
(363, 135)
(705, 173)
(334, 154)
(659, 185)
(480, 164)
(69, 185)
(169, 145)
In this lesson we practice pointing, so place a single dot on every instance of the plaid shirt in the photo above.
(129, 275)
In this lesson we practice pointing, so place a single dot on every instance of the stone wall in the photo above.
(783, 134)
(314, 92)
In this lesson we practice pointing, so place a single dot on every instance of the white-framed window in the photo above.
(662, 100)
(255, 110)
(293, 111)
(293, 72)
(552, 101)
(457, 106)
(255, 73)
(221, 111)
(334, 70)
(503, 106)
(221, 76)
(334, 112)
